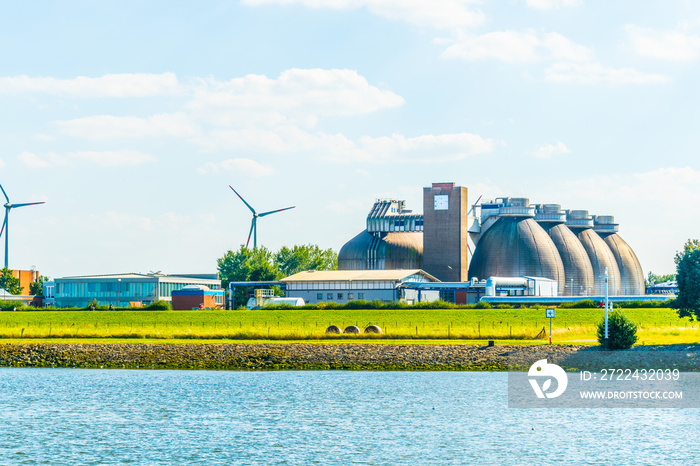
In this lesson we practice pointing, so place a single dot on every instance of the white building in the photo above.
(341, 286)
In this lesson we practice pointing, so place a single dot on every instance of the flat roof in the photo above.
(355, 275)
(132, 276)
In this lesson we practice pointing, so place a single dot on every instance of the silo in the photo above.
(516, 246)
(598, 252)
(393, 250)
(577, 266)
(631, 274)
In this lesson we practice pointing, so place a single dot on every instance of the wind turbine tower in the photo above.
(254, 223)
(5, 225)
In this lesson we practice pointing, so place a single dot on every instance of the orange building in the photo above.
(26, 278)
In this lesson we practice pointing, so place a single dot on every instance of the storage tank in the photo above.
(598, 252)
(516, 246)
(578, 270)
(631, 274)
(393, 250)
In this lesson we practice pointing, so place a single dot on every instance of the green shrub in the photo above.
(583, 304)
(622, 332)
(483, 305)
(159, 305)
(12, 305)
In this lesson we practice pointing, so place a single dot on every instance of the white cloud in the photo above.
(122, 158)
(297, 95)
(553, 4)
(2, 163)
(109, 85)
(38, 162)
(105, 159)
(425, 149)
(441, 14)
(547, 151)
(595, 73)
(241, 167)
(106, 127)
(513, 46)
(676, 46)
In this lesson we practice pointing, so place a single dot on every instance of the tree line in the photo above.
(261, 264)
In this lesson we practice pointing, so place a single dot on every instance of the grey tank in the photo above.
(393, 250)
(631, 274)
(516, 247)
(598, 252)
(577, 265)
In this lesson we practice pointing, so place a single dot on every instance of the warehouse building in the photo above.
(341, 286)
(123, 290)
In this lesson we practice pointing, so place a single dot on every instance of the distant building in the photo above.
(197, 297)
(125, 289)
(7, 296)
(341, 286)
(26, 278)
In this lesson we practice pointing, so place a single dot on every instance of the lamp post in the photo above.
(606, 307)
(119, 286)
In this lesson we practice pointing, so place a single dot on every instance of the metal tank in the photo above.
(631, 274)
(395, 250)
(578, 270)
(393, 240)
(598, 252)
(516, 246)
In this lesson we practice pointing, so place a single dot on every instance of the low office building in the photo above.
(341, 286)
(197, 297)
(123, 290)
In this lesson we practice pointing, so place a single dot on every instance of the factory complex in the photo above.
(504, 247)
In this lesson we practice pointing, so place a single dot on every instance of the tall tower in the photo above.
(445, 232)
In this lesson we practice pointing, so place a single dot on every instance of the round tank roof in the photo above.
(631, 274)
(516, 247)
(394, 250)
(577, 266)
(601, 258)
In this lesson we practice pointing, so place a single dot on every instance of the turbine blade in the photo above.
(275, 211)
(250, 233)
(26, 204)
(251, 209)
(3, 191)
(3, 224)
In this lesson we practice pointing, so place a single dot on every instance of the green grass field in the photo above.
(518, 326)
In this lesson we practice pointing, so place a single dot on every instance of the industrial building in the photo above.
(341, 286)
(121, 290)
(505, 237)
(197, 297)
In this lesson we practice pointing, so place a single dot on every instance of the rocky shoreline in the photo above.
(294, 356)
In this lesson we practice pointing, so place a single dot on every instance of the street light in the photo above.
(606, 307)
(119, 286)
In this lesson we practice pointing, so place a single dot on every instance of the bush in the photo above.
(483, 305)
(583, 304)
(159, 305)
(622, 332)
(12, 305)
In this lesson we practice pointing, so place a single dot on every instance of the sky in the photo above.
(130, 120)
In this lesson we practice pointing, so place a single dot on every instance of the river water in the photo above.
(86, 416)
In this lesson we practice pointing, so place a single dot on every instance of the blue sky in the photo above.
(130, 119)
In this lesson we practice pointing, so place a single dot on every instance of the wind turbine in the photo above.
(5, 226)
(254, 223)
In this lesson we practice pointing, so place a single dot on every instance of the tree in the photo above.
(653, 279)
(37, 288)
(9, 282)
(688, 276)
(261, 264)
(305, 257)
(246, 265)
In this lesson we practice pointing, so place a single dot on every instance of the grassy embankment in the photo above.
(405, 326)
